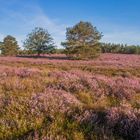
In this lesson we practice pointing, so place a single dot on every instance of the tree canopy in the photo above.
(9, 46)
(120, 48)
(39, 41)
(82, 40)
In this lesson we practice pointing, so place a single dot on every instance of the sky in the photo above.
(118, 20)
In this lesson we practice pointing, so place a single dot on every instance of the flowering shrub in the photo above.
(21, 72)
(52, 101)
(69, 100)
(78, 81)
(124, 121)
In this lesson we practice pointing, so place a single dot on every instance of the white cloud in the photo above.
(125, 37)
(22, 22)
(1, 37)
(119, 33)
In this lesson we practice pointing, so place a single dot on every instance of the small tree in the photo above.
(1, 47)
(9, 46)
(39, 41)
(82, 41)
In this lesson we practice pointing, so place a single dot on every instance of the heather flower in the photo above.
(26, 72)
(124, 122)
(52, 101)
(34, 91)
(77, 81)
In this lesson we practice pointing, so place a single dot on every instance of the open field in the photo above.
(54, 98)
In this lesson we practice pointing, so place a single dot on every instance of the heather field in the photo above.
(53, 98)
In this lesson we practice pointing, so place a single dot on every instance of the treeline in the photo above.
(120, 48)
(83, 41)
(113, 48)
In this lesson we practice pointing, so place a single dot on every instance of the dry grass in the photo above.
(42, 99)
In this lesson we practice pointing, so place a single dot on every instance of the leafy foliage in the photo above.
(39, 41)
(9, 46)
(82, 41)
(120, 48)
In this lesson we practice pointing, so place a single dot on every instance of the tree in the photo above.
(119, 48)
(39, 41)
(82, 41)
(9, 46)
(1, 43)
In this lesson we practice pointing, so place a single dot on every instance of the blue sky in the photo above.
(119, 20)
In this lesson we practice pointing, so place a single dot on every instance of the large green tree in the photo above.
(82, 41)
(39, 41)
(9, 46)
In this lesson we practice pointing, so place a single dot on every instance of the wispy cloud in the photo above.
(26, 15)
(22, 22)
(1, 36)
(124, 37)
(117, 33)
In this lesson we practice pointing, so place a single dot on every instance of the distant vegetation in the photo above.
(120, 48)
(83, 41)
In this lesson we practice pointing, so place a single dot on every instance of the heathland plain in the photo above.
(54, 98)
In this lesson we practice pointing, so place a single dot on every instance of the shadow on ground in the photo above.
(50, 57)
